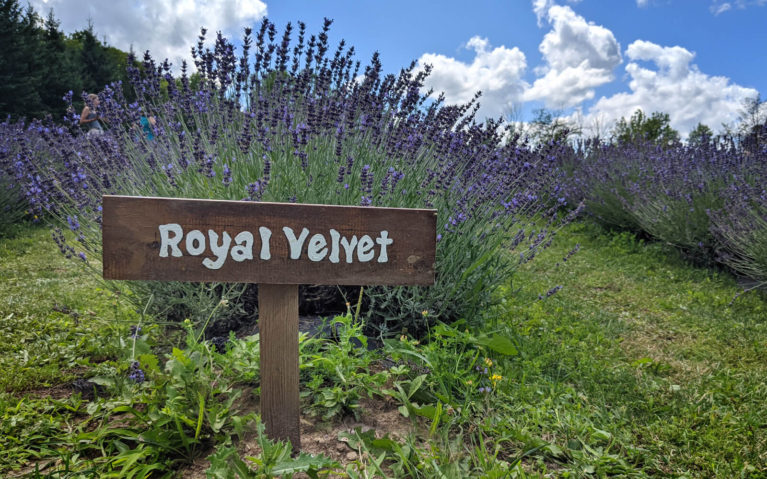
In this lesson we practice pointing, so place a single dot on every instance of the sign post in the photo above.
(278, 246)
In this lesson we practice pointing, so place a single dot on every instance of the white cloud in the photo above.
(675, 86)
(721, 8)
(541, 8)
(642, 3)
(497, 72)
(579, 55)
(718, 6)
(168, 28)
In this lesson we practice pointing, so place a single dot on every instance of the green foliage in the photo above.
(681, 222)
(336, 372)
(97, 68)
(655, 129)
(275, 460)
(59, 67)
(203, 304)
(12, 207)
(40, 64)
(700, 135)
(54, 322)
(240, 363)
(744, 241)
(638, 329)
(19, 64)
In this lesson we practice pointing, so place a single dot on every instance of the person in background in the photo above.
(147, 123)
(89, 118)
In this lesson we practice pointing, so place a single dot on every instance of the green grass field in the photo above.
(640, 366)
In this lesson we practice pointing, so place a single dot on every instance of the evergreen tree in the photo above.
(96, 69)
(19, 65)
(60, 74)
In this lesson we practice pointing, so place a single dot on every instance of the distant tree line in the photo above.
(750, 131)
(39, 63)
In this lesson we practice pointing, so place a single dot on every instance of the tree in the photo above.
(39, 64)
(700, 135)
(60, 73)
(548, 126)
(655, 129)
(96, 69)
(752, 128)
(19, 72)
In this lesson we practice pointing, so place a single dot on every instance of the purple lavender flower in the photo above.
(73, 222)
(227, 180)
(135, 373)
(550, 292)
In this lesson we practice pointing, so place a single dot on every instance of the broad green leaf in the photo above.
(499, 344)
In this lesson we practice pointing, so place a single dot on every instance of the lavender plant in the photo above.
(740, 229)
(705, 198)
(302, 125)
(13, 206)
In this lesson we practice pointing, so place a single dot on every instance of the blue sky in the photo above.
(591, 60)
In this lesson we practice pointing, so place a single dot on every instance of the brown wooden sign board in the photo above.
(278, 245)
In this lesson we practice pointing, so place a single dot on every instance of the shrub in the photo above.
(740, 229)
(12, 205)
(673, 193)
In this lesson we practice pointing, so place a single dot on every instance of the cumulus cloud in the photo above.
(497, 72)
(168, 28)
(675, 86)
(579, 55)
(541, 8)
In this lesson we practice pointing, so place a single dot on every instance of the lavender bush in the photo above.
(740, 229)
(707, 198)
(297, 123)
(603, 177)
(18, 143)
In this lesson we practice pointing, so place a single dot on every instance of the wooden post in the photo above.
(278, 326)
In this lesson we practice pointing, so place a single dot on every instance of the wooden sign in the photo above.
(278, 245)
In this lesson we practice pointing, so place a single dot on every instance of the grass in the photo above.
(640, 366)
(56, 320)
(672, 366)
